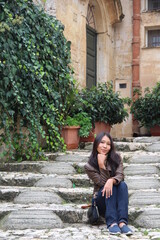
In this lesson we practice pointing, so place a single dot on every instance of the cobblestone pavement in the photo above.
(78, 232)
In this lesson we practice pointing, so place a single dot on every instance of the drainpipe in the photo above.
(136, 56)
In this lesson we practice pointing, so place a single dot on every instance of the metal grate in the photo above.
(153, 38)
(90, 17)
(153, 4)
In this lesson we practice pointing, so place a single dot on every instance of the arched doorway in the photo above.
(98, 49)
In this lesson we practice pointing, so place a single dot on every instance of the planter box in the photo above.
(155, 131)
(102, 127)
(99, 127)
(71, 136)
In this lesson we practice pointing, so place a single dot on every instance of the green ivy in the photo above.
(36, 81)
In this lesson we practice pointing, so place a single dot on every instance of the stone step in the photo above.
(138, 198)
(79, 180)
(141, 170)
(125, 146)
(76, 156)
(21, 216)
(31, 218)
(148, 218)
(72, 161)
(146, 139)
(145, 158)
(142, 143)
(133, 182)
(142, 198)
(35, 179)
(48, 167)
(139, 182)
(131, 146)
(138, 165)
(145, 197)
(129, 169)
(40, 216)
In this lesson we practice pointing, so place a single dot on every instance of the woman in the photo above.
(105, 169)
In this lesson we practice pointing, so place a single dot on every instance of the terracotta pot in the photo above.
(155, 131)
(71, 136)
(90, 138)
(102, 127)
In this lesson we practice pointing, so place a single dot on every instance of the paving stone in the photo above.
(146, 139)
(155, 147)
(128, 146)
(38, 197)
(58, 168)
(19, 178)
(149, 218)
(73, 158)
(36, 219)
(22, 166)
(145, 198)
(145, 158)
(53, 182)
(142, 183)
(76, 195)
(140, 169)
(8, 194)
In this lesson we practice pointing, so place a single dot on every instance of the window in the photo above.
(153, 4)
(122, 85)
(153, 38)
(90, 16)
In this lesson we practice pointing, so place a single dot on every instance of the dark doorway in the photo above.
(91, 57)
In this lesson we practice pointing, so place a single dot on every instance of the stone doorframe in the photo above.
(106, 14)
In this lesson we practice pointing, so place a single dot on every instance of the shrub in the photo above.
(146, 109)
(103, 104)
(80, 119)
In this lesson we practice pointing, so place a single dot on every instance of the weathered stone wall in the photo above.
(123, 64)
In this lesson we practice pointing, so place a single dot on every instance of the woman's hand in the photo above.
(101, 160)
(108, 188)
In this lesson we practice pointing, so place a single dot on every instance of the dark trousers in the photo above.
(114, 208)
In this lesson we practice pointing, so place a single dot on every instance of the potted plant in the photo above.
(146, 109)
(104, 106)
(79, 125)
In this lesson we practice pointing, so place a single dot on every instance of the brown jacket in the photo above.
(99, 178)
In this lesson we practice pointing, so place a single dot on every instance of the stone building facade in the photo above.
(112, 40)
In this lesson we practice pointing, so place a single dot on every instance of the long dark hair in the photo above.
(113, 158)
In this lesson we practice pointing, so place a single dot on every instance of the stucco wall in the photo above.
(123, 64)
(150, 57)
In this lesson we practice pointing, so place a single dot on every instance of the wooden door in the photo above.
(91, 57)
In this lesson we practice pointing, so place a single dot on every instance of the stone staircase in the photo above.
(42, 200)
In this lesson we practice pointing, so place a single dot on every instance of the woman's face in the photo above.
(104, 146)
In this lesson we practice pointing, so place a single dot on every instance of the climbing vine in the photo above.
(35, 80)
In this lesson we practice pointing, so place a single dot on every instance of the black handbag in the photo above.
(93, 214)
